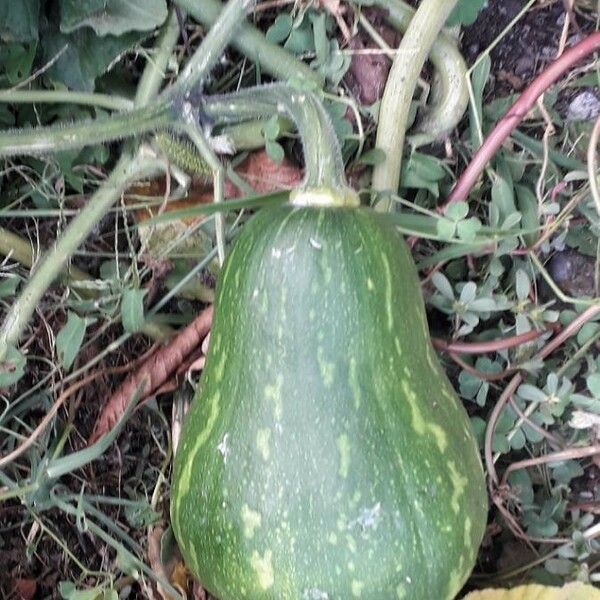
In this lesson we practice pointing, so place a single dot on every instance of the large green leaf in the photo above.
(82, 55)
(19, 20)
(112, 17)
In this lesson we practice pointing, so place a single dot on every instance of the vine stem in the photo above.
(449, 93)
(42, 140)
(399, 89)
(517, 113)
(67, 97)
(154, 72)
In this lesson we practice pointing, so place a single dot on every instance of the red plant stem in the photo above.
(480, 374)
(484, 347)
(517, 113)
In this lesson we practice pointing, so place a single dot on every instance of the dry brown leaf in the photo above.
(174, 571)
(571, 591)
(25, 588)
(368, 72)
(153, 373)
(264, 175)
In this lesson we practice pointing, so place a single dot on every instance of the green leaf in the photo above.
(468, 229)
(522, 284)
(518, 441)
(372, 157)
(520, 484)
(443, 286)
(132, 310)
(479, 425)
(272, 128)
(465, 12)
(479, 78)
(593, 384)
(280, 29)
(503, 197)
(68, 591)
(468, 293)
(8, 286)
(12, 367)
(140, 514)
(301, 39)
(587, 332)
(86, 56)
(457, 211)
(428, 167)
(445, 228)
(113, 17)
(511, 221)
(559, 566)
(19, 20)
(69, 339)
(538, 526)
(483, 305)
(274, 151)
(17, 61)
(531, 393)
(565, 471)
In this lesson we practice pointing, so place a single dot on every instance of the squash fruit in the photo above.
(326, 455)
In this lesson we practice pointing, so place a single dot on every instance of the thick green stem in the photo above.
(450, 93)
(395, 104)
(154, 71)
(272, 59)
(213, 45)
(324, 166)
(44, 140)
(66, 97)
(126, 171)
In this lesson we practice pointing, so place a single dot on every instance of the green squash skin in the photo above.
(326, 455)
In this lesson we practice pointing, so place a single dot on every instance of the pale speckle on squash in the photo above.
(357, 588)
(251, 519)
(263, 567)
(326, 368)
(263, 442)
(343, 445)
(459, 485)
(223, 448)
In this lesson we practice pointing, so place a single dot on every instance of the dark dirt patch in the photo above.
(526, 49)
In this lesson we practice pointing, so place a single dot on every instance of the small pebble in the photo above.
(584, 107)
